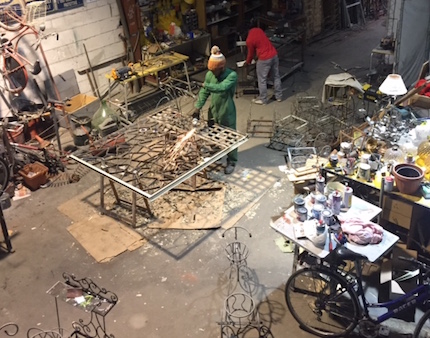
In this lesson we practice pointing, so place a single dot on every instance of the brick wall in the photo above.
(313, 10)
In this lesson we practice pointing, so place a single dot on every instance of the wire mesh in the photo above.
(36, 13)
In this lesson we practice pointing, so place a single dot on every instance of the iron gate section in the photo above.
(158, 152)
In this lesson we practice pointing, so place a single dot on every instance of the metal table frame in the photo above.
(134, 175)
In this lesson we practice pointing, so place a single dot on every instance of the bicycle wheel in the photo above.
(322, 302)
(15, 75)
(13, 15)
(422, 330)
(4, 175)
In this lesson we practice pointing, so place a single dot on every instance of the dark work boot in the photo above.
(229, 168)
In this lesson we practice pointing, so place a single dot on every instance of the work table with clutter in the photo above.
(386, 162)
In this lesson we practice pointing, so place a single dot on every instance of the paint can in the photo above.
(365, 158)
(347, 197)
(320, 184)
(364, 171)
(320, 228)
(298, 203)
(302, 214)
(313, 195)
(327, 217)
(317, 210)
(389, 183)
(321, 199)
(336, 203)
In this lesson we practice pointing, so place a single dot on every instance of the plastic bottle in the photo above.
(172, 29)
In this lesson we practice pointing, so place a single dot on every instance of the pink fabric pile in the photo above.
(362, 232)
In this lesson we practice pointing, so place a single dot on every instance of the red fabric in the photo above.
(259, 44)
(426, 90)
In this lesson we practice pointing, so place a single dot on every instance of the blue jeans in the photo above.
(264, 67)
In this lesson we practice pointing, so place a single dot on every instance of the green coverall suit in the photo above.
(222, 108)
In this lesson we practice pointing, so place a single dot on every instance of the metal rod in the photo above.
(92, 72)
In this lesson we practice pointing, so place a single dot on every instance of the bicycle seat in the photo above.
(344, 253)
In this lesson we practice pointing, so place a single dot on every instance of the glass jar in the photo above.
(394, 154)
(103, 115)
(424, 151)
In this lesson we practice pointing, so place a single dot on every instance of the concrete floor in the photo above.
(175, 285)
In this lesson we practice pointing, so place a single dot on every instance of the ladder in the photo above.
(353, 9)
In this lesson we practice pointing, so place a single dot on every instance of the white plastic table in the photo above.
(359, 208)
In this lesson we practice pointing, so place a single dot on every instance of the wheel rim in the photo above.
(321, 303)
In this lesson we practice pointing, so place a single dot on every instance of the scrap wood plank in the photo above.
(294, 178)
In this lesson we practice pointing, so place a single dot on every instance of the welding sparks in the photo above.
(181, 143)
(185, 150)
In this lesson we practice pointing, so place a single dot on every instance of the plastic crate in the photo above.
(34, 174)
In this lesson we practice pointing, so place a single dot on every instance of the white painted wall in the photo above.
(97, 25)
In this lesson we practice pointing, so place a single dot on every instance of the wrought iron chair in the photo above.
(39, 333)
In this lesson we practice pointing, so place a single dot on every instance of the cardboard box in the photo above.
(397, 212)
(393, 274)
(79, 105)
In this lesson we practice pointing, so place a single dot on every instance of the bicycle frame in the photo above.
(14, 63)
(411, 299)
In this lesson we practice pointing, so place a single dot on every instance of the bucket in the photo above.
(82, 129)
(15, 132)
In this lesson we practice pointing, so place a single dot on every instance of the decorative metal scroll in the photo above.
(102, 302)
(9, 330)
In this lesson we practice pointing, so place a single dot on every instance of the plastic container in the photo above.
(424, 151)
(15, 132)
(408, 177)
(34, 174)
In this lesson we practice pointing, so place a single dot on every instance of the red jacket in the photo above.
(258, 43)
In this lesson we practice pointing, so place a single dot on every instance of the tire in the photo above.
(4, 175)
(13, 16)
(15, 75)
(422, 330)
(322, 302)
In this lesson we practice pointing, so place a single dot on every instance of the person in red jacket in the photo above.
(258, 44)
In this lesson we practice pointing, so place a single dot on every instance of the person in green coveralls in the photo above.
(220, 84)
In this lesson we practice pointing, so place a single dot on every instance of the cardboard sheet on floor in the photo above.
(104, 238)
(192, 210)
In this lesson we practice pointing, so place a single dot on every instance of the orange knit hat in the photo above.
(217, 59)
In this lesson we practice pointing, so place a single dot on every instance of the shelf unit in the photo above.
(224, 19)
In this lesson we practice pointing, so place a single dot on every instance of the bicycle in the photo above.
(325, 298)
(16, 13)
(19, 52)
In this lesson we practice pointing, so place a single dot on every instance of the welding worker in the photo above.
(258, 44)
(220, 84)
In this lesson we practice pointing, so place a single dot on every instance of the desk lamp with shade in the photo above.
(393, 86)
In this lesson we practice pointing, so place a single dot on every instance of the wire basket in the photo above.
(36, 13)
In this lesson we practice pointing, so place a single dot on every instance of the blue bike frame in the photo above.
(411, 299)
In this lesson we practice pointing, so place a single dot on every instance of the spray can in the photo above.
(320, 184)
(336, 203)
(347, 197)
